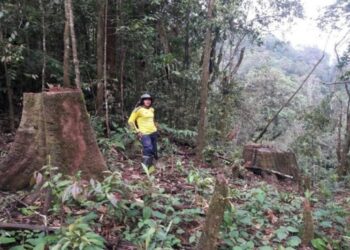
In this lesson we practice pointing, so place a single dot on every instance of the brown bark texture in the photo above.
(69, 9)
(10, 98)
(265, 157)
(214, 217)
(100, 56)
(204, 85)
(308, 231)
(66, 55)
(55, 124)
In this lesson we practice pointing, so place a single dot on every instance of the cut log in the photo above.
(55, 124)
(271, 160)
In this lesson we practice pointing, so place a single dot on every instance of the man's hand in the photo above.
(139, 135)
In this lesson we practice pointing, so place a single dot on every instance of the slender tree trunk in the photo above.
(105, 71)
(74, 43)
(343, 164)
(122, 82)
(10, 97)
(187, 40)
(201, 140)
(66, 55)
(110, 30)
(43, 70)
(165, 44)
(339, 141)
(343, 167)
(100, 56)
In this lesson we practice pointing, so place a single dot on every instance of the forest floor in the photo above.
(165, 208)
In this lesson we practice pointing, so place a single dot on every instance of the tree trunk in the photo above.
(10, 98)
(111, 32)
(66, 56)
(100, 56)
(122, 61)
(343, 167)
(204, 86)
(187, 40)
(43, 70)
(105, 72)
(69, 8)
(66, 132)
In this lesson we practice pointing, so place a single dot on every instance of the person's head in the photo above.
(146, 100)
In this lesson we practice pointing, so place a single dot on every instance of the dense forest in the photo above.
(253, 133)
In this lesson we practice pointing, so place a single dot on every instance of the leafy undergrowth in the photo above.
(164, 208)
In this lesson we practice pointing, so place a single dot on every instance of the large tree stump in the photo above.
(55, 124)
(270, 159)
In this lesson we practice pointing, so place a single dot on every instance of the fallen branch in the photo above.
(272, 172)
(27, 226)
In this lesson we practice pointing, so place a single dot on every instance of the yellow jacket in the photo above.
(142, 120)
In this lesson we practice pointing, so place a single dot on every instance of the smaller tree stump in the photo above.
(215, 215)
(55, 124)
(308, 224)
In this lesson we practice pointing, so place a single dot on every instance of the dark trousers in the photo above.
(149, 143)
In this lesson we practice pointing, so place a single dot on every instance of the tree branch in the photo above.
(27, 226)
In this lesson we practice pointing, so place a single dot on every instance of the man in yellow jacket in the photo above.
(142, 122)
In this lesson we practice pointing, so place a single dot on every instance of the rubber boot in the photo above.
(147, 161)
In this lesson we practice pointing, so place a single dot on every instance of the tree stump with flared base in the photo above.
(54, 124)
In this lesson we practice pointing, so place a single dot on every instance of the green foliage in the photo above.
(177, 134)
(249, 224)
(24, 239)
(79, 235)
(120, 137)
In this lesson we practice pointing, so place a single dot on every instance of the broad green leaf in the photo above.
(281, 233)
(294, 241)
(159, 215)
(40, 246)
(17, 248)
(319, 244)
(292, 229)
(146, 213)
(6, 240)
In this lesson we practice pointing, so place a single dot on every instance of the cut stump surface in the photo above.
(268, 158)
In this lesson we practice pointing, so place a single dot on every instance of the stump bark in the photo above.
(55, 124)
(267, 158)
(214, 216)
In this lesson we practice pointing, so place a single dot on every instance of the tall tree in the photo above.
(204, 83)
(66, 52)
(69, 9)
(100, 55)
